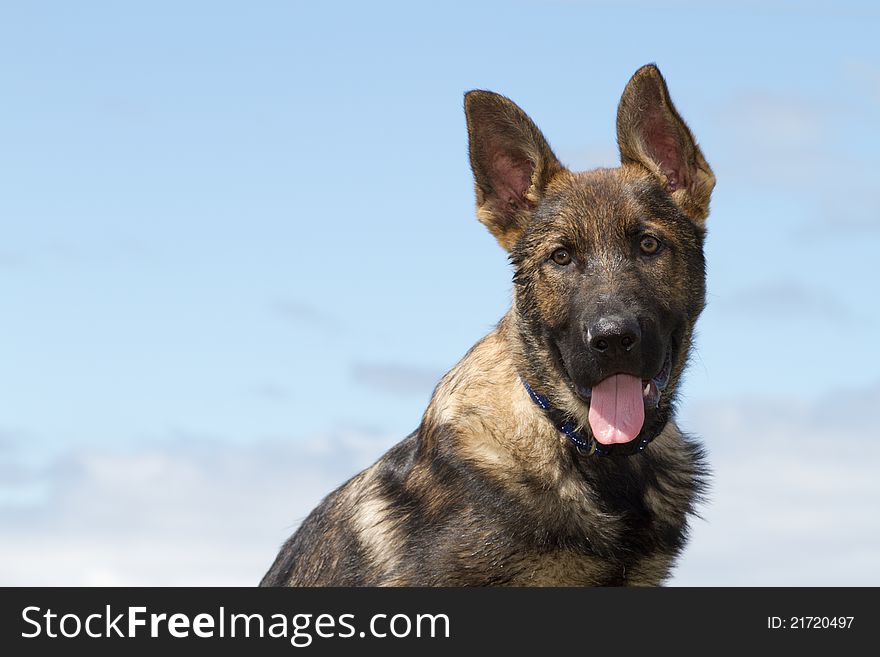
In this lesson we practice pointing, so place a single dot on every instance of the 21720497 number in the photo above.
(810, 622)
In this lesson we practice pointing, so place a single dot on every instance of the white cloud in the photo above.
(189, 513)
(793, 502)
(794, 494)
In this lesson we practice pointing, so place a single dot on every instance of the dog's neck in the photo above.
(492, 416)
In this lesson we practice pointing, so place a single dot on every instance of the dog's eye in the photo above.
(649, 245)
(561, 257)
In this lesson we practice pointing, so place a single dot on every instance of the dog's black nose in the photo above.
(614, 335)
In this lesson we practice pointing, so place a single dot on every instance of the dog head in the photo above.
(609, 268)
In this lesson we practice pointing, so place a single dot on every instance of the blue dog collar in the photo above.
(585, 446)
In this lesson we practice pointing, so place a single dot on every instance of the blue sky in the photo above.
(236, 229)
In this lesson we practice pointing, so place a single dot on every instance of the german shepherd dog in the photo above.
(549, 455)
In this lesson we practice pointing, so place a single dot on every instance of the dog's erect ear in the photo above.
(651, 133)
(511, 161)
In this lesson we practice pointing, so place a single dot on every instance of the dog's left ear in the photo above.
(650, 133)
(511, 161)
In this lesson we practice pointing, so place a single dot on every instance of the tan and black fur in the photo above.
(487, 491)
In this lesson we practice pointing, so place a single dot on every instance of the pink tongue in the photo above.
(617, 410)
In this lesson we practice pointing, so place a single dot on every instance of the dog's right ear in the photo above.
(511, 161)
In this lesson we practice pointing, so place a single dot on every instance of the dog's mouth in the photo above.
(618, 403)
(652, 389)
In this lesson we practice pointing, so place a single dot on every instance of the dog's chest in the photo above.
(623, 530)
